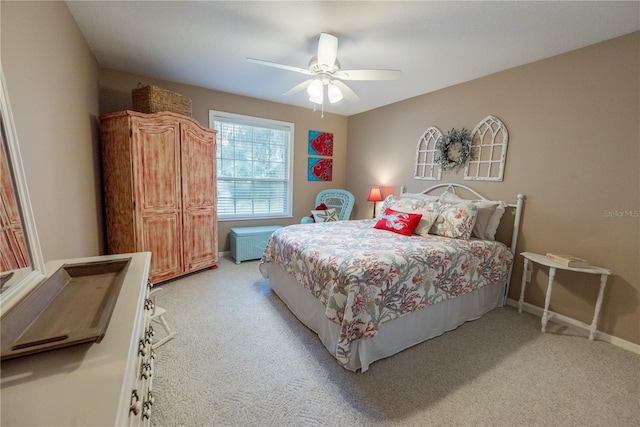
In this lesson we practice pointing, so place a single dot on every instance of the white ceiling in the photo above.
(435, 44)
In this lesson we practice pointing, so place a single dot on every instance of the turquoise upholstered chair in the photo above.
(341, 200)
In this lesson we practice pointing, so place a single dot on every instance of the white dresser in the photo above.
(96, 384)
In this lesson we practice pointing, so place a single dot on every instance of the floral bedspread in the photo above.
(365, 276)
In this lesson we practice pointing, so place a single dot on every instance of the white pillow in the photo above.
(426, 222)
(423, 196)
(450, 198)
(326, 215)
(494, 222)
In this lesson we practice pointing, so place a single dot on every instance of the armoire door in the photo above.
(158, 197)
(199, 198)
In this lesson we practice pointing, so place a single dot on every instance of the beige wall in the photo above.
(574, 149)
(115, 95)
(574, 137)
(51, 78)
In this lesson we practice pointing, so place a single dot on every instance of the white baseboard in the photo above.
(568, 321)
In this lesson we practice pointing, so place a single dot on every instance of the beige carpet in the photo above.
(240, 358)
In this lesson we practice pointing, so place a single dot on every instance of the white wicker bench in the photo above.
(249, 242)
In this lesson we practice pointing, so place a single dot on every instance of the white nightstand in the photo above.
(542, 259)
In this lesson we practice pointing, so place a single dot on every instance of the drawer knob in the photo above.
(146, 371)
(142, 348)
(135, 403)
(146, 410)
(149, 333)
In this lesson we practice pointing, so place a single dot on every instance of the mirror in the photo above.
(14, 253)
(21, 263)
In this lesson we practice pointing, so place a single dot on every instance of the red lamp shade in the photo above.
(375, 195)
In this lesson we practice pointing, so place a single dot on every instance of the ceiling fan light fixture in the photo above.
(334, 93)
(316, 99)
(325, 70)
(315, 89)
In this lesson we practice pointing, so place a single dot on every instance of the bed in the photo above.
(372, 288)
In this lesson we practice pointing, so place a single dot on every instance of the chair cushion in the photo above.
(325, 215)
(320, 207)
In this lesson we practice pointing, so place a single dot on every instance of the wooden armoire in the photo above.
(159, 174)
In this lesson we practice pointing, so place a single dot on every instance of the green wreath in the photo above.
(453, 149)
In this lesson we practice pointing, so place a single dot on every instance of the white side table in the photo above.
(542, 259)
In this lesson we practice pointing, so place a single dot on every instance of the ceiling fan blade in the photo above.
(347, 92)
(300, 87)
(281, 66)
(327, 50)
(368, 74)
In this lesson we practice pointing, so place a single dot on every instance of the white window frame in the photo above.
(488, 151)
(221, 116)
(427, 166)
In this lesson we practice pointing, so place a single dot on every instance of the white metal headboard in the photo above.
(518, 206)
(451, 188)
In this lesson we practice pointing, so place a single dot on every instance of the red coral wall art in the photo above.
(320, 144)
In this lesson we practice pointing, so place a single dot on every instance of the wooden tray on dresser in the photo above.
(72, 306)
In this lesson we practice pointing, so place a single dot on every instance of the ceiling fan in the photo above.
(326, 71)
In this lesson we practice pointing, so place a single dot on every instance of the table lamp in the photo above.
(375, 195)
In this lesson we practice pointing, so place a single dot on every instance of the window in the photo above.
(427, 166)
(253, 158)
(488, 151)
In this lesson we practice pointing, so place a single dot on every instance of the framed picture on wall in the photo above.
(320, 143)
(320, 169)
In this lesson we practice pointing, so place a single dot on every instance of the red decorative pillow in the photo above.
(320, 207)
(399, 222)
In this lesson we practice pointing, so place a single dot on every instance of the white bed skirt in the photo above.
(393, 336)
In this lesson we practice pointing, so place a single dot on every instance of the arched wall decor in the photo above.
(488, 151)
(427, 167)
